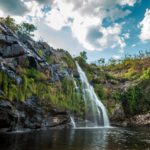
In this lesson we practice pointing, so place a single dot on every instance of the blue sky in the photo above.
(102, 28)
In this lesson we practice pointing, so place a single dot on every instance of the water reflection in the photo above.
(77, 139)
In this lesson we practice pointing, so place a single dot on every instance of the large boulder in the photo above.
(13, 51)
(9, 43)
(118, 115)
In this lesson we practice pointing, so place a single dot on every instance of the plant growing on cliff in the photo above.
(136, 99)
(100, 91)
(12, 92)
(27, 28)
(10, 22)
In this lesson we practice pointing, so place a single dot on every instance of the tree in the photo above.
(27, 28)
(83, 55)
(141, 54)
(112, 61)
(10, 22)
(101, 61)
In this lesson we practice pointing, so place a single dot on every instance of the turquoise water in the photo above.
(78, 139)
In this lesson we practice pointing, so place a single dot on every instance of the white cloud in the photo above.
(86, 15)
(56, 19)
(2, 13)
(145, 26)
(117, 13)
(82, 16)
(117, 57)
(127, 2)
(13, 7)
(111, 37)
(34, 13)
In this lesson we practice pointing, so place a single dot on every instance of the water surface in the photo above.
(78, 139)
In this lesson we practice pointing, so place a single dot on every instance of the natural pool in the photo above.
(78, 139)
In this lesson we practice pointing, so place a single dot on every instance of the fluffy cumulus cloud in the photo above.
(83, 17)
(116, 57)
(145, 26)
(22, 7)
(87, 17)
(13, 7)
(127, 2)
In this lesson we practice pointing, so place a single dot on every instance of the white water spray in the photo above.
(72, 121)
(96, 114)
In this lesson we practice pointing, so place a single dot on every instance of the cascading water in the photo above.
(72, 121)
(95, 112)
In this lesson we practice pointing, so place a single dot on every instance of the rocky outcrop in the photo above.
(137, 121)
(118, 118)
(18, 48)
(32, 114)
(118, 115)
(9, 43)
(21, 51)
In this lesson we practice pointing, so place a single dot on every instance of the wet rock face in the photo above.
(9, 44)
(18, 50)
(31, 114)
(7, 115)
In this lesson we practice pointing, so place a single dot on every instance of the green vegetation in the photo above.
(10, 22)
(24, 28)
(27, 28)
(61, 93)
(40, 52)
(83, 55)
(82, 59)
(125, 81)
(137, 99)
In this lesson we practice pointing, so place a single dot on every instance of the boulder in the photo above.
(138, 121)
(2, 37)
(11, 39)
(13, 51)
(117, 116)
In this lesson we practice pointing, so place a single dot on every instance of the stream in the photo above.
(78, 139)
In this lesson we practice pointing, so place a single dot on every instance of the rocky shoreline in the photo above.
(36, 114)
(134, 121)
(31, 114)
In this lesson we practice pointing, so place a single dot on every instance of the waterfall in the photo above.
(96, 114)
(72, 121)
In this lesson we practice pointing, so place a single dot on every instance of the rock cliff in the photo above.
(21, 61)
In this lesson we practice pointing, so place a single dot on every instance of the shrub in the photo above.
(100, 91)
(12, 92)
(136, 99)
(40, 52)
(31, 73)
(146, 74)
